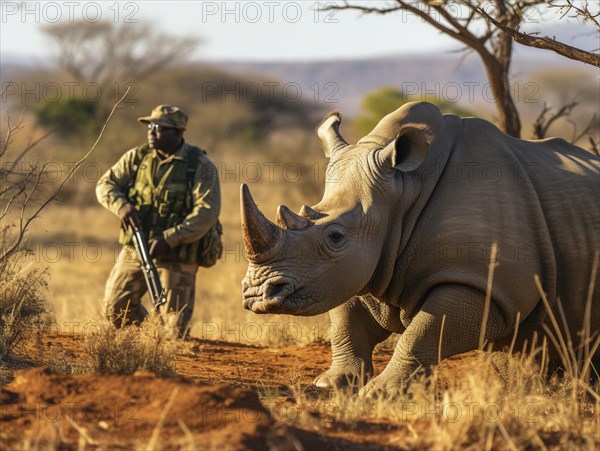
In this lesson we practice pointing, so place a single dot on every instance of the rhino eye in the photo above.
(336, 237)
(335, 240)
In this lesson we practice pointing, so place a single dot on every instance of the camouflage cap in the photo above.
(167, 116)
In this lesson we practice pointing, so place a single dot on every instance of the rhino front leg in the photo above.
(418, 345)
(356, 328)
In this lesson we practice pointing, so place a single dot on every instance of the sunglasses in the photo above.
(159, 128)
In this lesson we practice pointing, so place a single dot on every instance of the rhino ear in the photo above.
(409, 150)
(329, 134)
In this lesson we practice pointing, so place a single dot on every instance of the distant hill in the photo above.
(343, 83)
(450, 75)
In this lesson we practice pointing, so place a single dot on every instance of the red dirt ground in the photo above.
(212, 403)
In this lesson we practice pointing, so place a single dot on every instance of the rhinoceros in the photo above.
(403, 236)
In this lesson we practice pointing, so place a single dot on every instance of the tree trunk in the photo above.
(508, 115)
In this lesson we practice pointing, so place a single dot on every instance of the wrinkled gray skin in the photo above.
(401, 241)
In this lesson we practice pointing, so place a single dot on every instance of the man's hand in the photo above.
(129, 217)
(158, 246)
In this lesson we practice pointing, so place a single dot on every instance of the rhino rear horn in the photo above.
(307, 212)
(329, 134)
(260, 234)
(287, 219)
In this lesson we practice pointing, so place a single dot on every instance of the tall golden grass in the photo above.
(484, 400)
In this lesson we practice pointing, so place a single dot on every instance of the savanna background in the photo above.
(256, 117)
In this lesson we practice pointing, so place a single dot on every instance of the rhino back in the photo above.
(566, 180)
(538, 201)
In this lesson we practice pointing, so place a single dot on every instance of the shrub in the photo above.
(24, 313)
(150, 346)
(68, 116)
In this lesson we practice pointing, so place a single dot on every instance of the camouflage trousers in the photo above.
(126, 286)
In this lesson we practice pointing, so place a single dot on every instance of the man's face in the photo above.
(163, 138)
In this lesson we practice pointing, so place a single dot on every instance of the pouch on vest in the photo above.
(210, 246)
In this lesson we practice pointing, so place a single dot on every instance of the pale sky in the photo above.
(250, 30)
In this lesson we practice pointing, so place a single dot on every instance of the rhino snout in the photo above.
(270, 297)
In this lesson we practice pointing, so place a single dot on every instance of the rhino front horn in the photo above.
(260, 234)
(329, 134)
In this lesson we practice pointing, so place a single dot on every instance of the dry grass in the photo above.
(488, 400)
(24, 313)
(152, 346)
(492, 400)
(500, 401)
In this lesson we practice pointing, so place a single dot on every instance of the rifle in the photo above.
(157, 293)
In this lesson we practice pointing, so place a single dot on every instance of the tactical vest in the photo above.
(167, 203)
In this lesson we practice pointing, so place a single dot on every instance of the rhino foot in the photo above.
(342, 378)
(390, 384)
(378, 388)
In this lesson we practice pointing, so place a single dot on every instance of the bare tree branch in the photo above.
(594, 146)
(586, 131)
(20, 187)
(545, 42)
(10, 131)
(543, 123)
(466, 38)
(27, 148)
(579, 10)
(24, 223)
(492, 45)
(494, 42)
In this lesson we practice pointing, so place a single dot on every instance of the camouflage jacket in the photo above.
(112, 189)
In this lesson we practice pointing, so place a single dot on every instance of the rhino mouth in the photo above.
(272, 296)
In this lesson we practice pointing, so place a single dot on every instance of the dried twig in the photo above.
(578, 10)
(545, 42)
(24, 223)
(161, 420)
(543, 123)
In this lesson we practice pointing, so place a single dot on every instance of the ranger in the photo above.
(170, 190)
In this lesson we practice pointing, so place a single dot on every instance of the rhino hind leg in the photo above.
(356, 328)
(419, 345)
